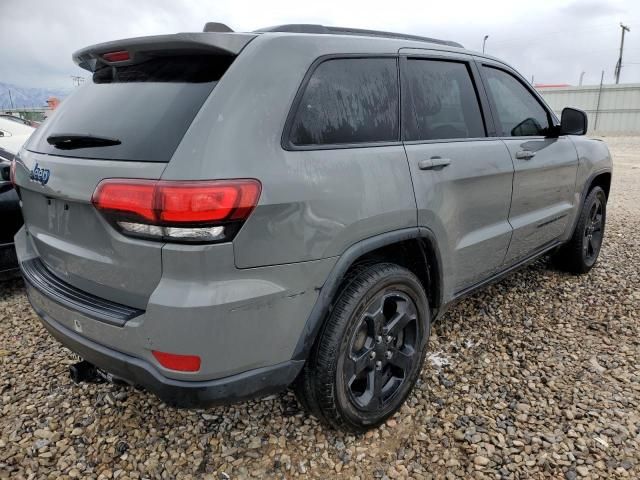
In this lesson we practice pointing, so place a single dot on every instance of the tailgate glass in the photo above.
(146, 107)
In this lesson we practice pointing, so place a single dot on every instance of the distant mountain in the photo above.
(28, 97)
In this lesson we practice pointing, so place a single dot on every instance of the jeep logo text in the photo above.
(40, 175)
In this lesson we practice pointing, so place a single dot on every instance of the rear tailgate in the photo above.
(125, 122)
(72, 238)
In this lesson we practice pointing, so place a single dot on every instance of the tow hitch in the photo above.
(84, 372)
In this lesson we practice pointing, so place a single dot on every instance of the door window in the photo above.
(443, 102)
(349, 100)
(519, 112)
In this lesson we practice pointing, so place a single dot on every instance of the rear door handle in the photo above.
(525, 155)
(434, 163)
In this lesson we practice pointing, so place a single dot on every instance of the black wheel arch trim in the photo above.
(585, 192)
(330, 287)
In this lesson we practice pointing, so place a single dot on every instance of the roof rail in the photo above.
(216, 27)
(311, 28)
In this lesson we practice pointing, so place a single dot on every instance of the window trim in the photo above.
(285, 140)
(478, 86)
(551, 118)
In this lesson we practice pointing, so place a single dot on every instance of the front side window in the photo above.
(349, 101)
(443, 101)
(519, 112)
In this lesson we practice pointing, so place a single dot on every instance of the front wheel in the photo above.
(579, 255)
(370, 351)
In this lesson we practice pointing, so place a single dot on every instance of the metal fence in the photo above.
(34, 114)
(612, 109)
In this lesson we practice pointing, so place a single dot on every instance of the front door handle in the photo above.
(434, 163)
(525, 155)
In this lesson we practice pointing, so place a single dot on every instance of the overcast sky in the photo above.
(554, 41)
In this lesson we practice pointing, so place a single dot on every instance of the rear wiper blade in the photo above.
(69, 141)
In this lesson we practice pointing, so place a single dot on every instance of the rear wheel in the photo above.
(370, 350)
(579, 255)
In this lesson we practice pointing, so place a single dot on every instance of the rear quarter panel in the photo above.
(314, 204)
(594, 158)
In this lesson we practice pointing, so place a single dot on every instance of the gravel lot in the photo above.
(537, 376)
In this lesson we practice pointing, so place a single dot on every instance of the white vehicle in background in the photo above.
(13, 133)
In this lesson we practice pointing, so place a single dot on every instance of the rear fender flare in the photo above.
(583, 196)
(324, 302)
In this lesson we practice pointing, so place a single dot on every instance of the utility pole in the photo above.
(484, 42)
(619, 64)
(77, 80)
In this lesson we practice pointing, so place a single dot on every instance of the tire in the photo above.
(580, 254)
(376, 335)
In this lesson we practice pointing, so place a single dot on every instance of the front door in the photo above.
(545, 167)
(462, 178)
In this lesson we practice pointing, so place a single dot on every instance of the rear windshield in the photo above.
(143, 109)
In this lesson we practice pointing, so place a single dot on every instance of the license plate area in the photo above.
(58, 216)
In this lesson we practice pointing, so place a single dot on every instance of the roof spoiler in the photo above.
(141, 48)
(216, 27)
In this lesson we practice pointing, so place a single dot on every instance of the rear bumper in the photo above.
(253, 383)
(244, 324)
(42, 279)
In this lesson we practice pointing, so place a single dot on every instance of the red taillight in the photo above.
(202, 202)
(119, 56)
(162, 208)
(180, 363)
(127, 197)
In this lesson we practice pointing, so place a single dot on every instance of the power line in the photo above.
(538, 36)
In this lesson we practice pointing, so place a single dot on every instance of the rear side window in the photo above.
(443, 103)
(348, 101)
(519, 112)
(146, 107)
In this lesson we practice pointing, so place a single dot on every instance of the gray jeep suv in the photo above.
(220, 215)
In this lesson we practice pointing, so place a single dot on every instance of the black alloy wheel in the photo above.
(593, 231)
(382, 351)
(580, 253)
(370, 350)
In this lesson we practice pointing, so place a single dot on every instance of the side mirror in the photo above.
(573, 122)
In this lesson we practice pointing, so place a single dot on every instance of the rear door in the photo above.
(125, 122)
(462, 177)
(545, 167)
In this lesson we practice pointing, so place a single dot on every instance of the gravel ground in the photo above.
(537, 376)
